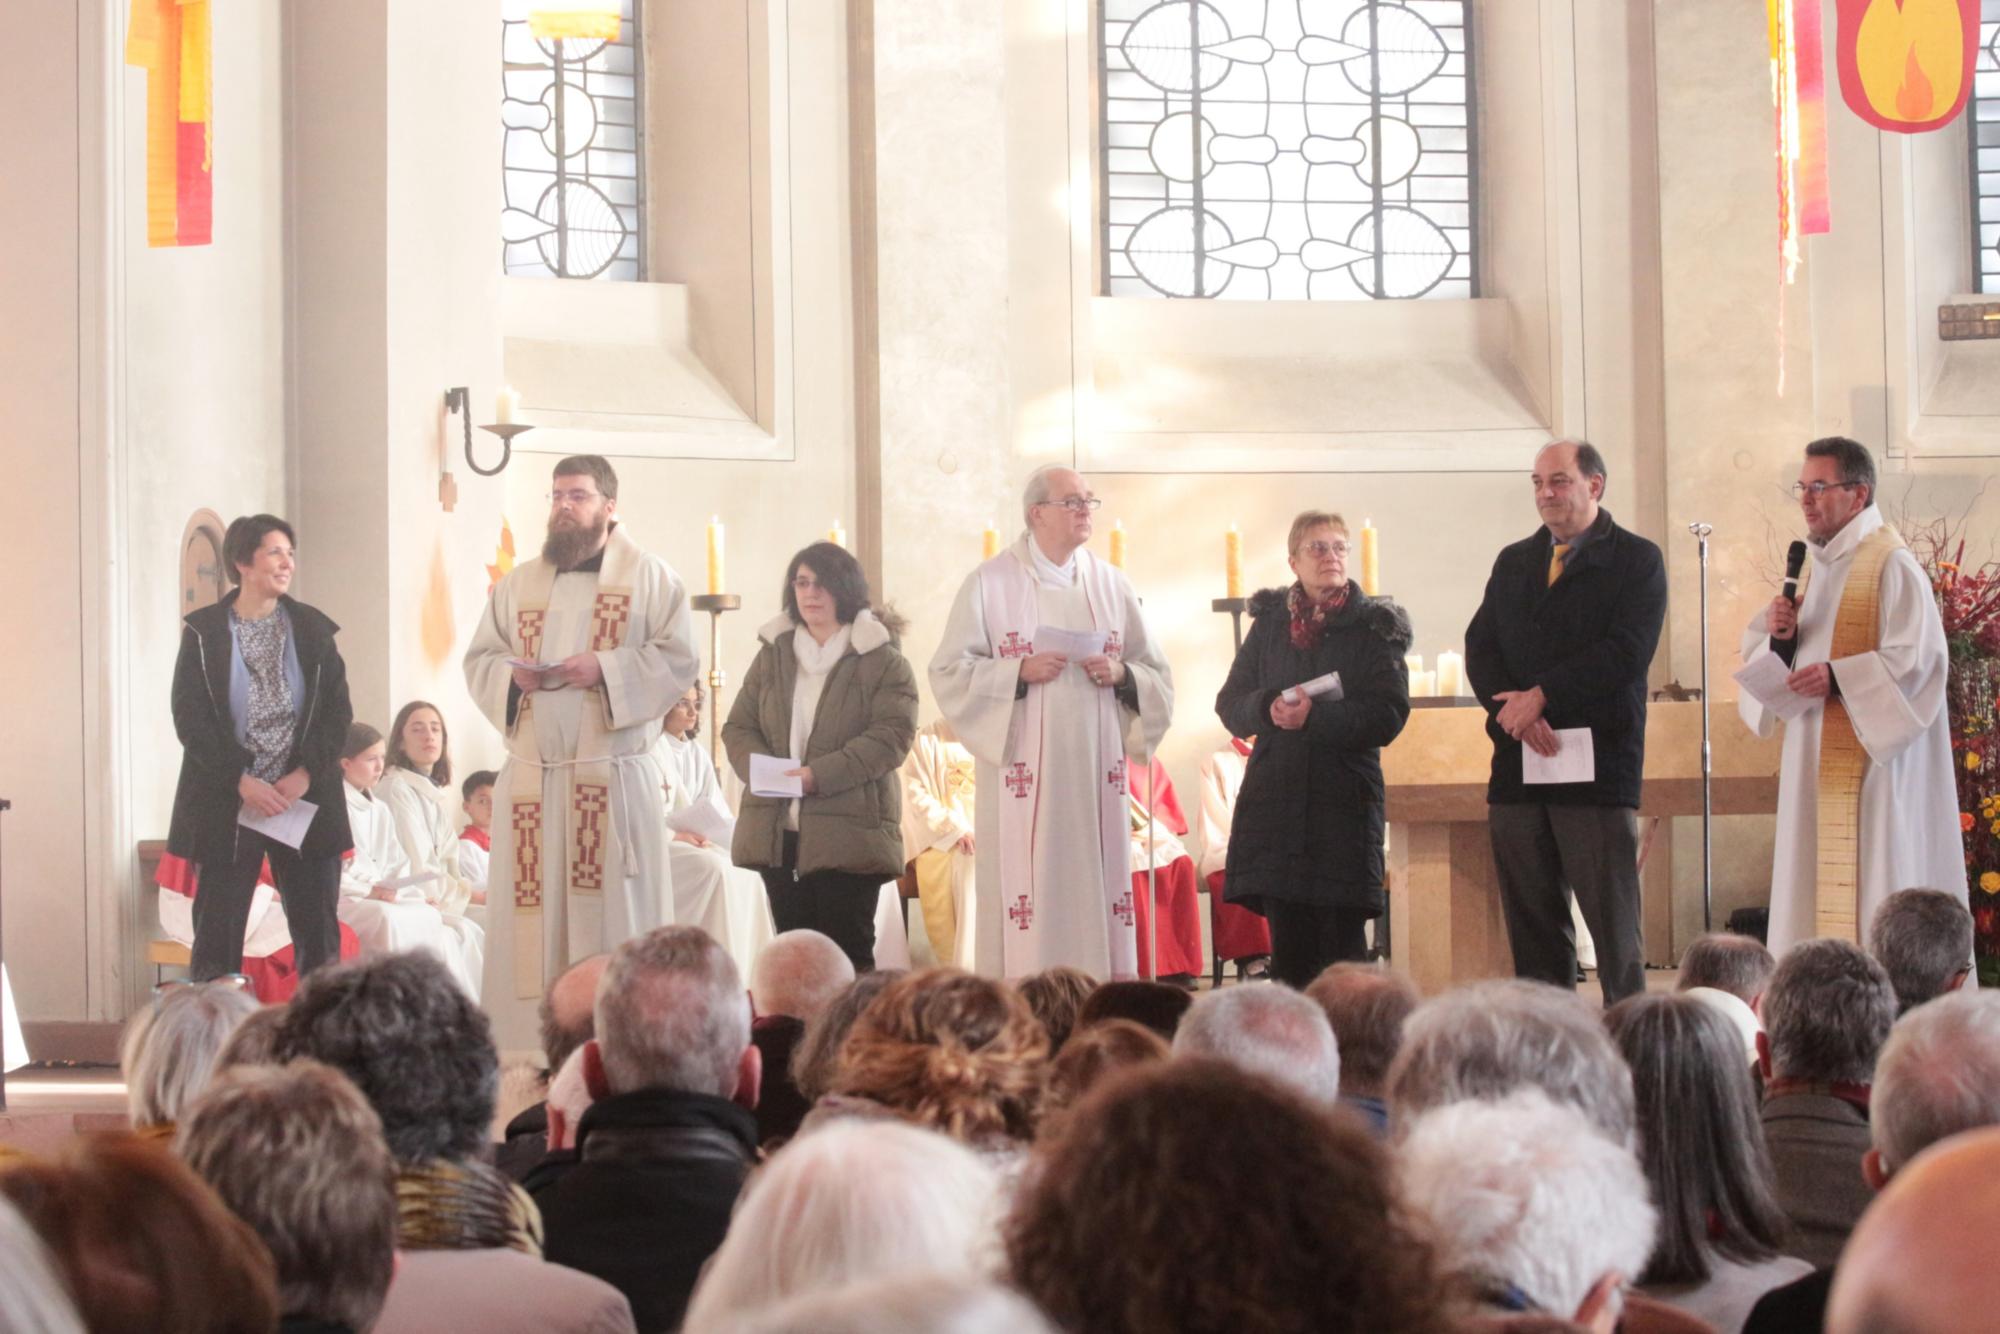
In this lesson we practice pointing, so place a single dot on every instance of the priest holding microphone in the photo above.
(1867, 802)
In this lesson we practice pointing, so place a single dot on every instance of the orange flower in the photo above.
(1990, 882)
(1965, 822)
(1971, 759)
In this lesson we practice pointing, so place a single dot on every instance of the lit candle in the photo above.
(1415, 662)
(989, 543)
(1232, 562)
(1371, 560)
(1450, 673)
(715, 553)
(506, 406)
(836, 534)
(1423, 685)
(1118, 543)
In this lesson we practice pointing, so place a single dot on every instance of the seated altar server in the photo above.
(710, 891)
(1241, 936)
(388, 919)
(938, 815)
(475, 841)
(1156, 829)
(413, 787)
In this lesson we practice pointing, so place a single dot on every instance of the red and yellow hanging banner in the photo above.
(169, 39)
(1906, 65)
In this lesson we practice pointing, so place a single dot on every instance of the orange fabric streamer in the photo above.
(170, 40)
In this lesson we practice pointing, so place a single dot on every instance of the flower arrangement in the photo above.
(1969, 603)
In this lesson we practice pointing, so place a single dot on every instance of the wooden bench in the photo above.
(162, 954)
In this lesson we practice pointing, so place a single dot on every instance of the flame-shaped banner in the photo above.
(503, 556)
(1906, 65)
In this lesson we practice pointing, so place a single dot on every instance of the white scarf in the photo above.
(816, 661)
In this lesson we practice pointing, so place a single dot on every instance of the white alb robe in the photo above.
(1909, 835)
(710, 891)
(473, 860)
(939, 779)
(389, 928)
(974, 682)
(652, 666)
(416, 806)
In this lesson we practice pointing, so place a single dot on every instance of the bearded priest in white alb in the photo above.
(1867, 802)
(1050, 719)
(577, 658)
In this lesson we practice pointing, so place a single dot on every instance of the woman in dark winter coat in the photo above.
(830, 689)
(1305, 843)
(260, 704)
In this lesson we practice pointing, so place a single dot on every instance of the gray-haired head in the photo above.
(1267, 1030)
(1923, 940)
(1727, 961)
(168, 1050)
(1938, 1075)
(419, 1049)
(1040, 488)
(672, 1014)
(919, 1304)
(799, 973)
(1367, 1005)
(1492, 1038)
(1827, 1012)
(1528, 1194)
(33, 1299)
(1856, 463)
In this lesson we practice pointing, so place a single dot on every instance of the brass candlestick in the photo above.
(715, 604)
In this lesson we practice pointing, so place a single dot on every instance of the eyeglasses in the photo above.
(1817, 489)
(1321, 550)
(577, 498)
(1075, 504)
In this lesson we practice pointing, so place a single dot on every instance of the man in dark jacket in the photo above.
(569, 1019)
(1562, 641)
(645, 1198)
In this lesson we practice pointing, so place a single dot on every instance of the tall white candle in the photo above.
(1450, 673)
(506, 406)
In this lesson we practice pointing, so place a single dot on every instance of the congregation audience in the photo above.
(1720, 1229)
(297, 1153)
(819, 1046)
(568, 1020)
(796, 976)
(1056, 996)
(1091, 1057)
(251, 1042)
(852, 1201)
(1271, 1031)
(1923, 940)
(169, 1049)
(1154, 1004)
(1921, 1260)
(140, 1242)
(1826, 1014)
(1367, 1005)
(33, 1299)
(1726, 961)
(644, 1198)
(469, 1241)
(929, 1304)
(1260, 1212)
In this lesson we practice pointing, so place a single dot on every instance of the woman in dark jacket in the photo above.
(830, 690)
(1305, 842)
(260, 705)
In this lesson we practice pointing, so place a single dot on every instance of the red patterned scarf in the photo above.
(1309, 617)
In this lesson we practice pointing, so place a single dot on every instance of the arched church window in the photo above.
(1982, 128)
(1287, 149)
(573, 147)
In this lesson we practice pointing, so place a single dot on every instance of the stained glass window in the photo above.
(1982, 127)
(573, 152)
(1287, 149)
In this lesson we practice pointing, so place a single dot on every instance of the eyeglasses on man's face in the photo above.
(1800, 490)
(576, 497)
(1075, 504)
(1320, 550)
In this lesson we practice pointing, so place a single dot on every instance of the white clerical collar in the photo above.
(1047, 570)
(1842, 544)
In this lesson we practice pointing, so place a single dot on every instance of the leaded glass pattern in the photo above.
(1982, 128)
(1287, 149)
(573, 153)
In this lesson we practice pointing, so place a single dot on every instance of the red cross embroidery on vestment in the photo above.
(1022, 913)
(1020, 779)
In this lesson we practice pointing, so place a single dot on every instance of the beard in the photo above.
(569, 544)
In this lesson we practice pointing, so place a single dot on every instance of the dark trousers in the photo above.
(1306, 937)
(1546, 853)
(310, 887)
(838, 904)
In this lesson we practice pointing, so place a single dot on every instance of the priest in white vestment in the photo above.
(1867, 802)
(710, 891)
(1050, 678)
(577, 657)
(939, 815)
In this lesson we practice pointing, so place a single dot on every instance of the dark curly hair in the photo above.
(419, 1049)
(1116, 1230)
(1056, 995)
(1153, 1005)
(1092, 1056)
(945, 1049)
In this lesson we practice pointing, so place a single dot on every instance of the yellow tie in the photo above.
(1556, 555)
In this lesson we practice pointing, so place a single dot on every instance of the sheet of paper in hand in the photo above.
(769, 779)
(1076, 645)
(531, 665)
(1764, 676)
(410, 888)
(1574, 762)
(287, 826)
(1320, 687)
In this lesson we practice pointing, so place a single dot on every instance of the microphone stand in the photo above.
(1702, 532)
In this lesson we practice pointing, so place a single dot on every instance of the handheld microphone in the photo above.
(1795, 560)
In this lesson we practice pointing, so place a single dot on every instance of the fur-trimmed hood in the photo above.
(869, 633)
(1384, 615)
